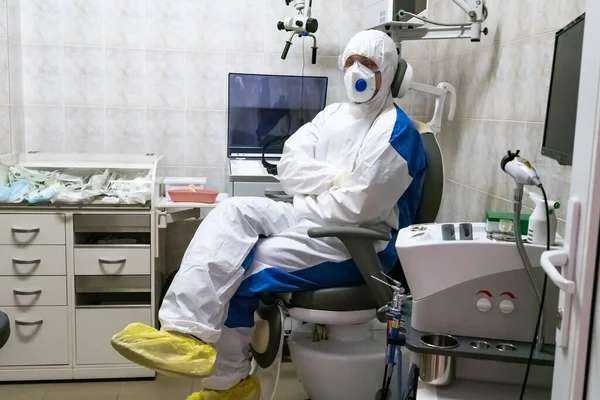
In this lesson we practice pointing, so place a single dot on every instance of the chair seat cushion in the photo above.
(4, 329)
(354, 298)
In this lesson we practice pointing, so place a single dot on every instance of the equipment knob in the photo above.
(507, 307)
(484, 305)
(299, 24)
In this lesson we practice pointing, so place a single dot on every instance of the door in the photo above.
(572, 362)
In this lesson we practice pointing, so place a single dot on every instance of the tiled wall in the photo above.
(502, 88)
(11, 83)
(151, 75)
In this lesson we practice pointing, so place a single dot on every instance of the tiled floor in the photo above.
(161, 388)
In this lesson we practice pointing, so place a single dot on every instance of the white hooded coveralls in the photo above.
(354, 165)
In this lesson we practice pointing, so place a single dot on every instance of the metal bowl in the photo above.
(480, 344)
(506, 347)
(439, 341)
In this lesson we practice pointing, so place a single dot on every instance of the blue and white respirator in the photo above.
(360, 83)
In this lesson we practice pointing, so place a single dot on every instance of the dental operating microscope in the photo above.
(301, 25)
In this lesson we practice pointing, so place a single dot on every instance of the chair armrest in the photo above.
(360, 243)
(347, 232)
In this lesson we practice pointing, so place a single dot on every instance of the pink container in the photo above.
(199, 196)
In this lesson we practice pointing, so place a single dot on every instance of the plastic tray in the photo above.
(199, 196)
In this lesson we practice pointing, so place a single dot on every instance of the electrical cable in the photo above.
(541, 310)
(402, 13)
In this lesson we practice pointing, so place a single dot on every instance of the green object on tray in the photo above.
(496, 216)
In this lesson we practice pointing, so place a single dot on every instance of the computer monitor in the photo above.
(559, 132)
(262, 107)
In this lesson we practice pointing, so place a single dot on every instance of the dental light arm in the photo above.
(441, 93)
(301, 25)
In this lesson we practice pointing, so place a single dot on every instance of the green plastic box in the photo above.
(496, 216)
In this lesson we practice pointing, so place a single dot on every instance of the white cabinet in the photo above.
(112, 261)
(32, 260)
(29, 291)
(22, 229)
(39, 336)
(96, 326)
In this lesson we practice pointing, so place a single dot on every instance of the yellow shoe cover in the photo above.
(248, 389)
(164, 352)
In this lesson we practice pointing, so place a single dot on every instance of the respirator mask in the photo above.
(360, 82)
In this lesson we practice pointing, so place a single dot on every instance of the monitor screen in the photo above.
(262, 107)
(559, 132)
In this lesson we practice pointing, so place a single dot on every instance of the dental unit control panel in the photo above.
(473, 291)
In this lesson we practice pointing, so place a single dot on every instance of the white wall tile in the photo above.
(252, 63)
(4, 76)
(216, 177)
(351, 21)
(206, 139)
(84, 76)
(43, 74)
(15, 54)
(125, 130)
(330, 28)
(206, 81)
(41, 21)
(166, 79)
(17, 129)
(125, 77)
(207, 25)
(85, 129)
(13, 22)
(3, 27)
(45, 128)
(246, 26)
(5, 140)
(538, 82)
(166, 135)
(83, 22)
(124, 23)
(166, 24)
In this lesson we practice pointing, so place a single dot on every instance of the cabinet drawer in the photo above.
(27, 291)
(39, 336)
(96, 326)
(32, 229)
(32, 260)
(112, 261)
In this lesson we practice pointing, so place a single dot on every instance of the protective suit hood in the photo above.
(380, 48)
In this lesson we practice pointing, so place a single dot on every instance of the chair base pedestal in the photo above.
(335, 369)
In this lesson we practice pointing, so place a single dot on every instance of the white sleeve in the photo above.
(298, 171)
(370, 192)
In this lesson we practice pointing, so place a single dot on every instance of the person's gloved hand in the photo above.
(340, 177)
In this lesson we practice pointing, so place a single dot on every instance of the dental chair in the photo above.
(339, 353)
(4, 329)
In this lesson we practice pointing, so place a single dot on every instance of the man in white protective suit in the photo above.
(356, 164)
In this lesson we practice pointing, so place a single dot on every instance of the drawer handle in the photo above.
(27, 292)
(26, 262)
(23, 230)
(102, 261)
(28, 323)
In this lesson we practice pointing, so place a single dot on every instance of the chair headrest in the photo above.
(402, 80)
(433, 186)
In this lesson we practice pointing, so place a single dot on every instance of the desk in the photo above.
(250, 178)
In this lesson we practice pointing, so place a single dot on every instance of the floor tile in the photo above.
(26, 391)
